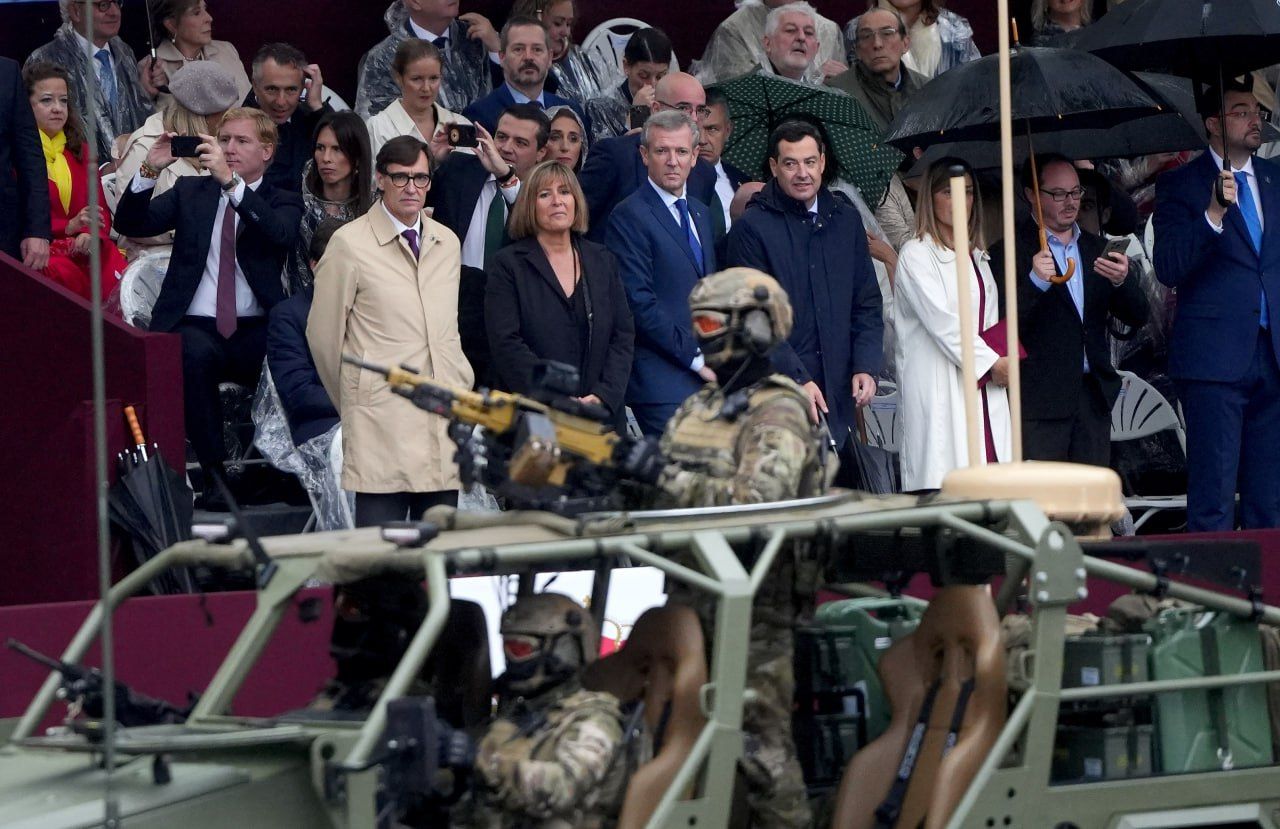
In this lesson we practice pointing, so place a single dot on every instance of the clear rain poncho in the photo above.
(580, 78)
(132, 104)
(316, 463)
(467, 75)
(737, 45)
(610, 113)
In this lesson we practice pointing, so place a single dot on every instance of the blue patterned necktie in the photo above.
(687, 225)
(103, 57)
(1249, 212)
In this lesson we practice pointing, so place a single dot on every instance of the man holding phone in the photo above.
(1068, 382)
(232, 232)
(291, 92)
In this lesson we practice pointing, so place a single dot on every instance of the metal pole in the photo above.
(968, 375)
(1006, 207)
(110, 806)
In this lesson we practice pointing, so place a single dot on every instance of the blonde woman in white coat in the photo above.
(931, 397)
(416, 68)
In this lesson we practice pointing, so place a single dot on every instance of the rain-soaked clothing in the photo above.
(467, 73)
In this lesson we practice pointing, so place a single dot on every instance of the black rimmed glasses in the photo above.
(1059, 196)
(401, 180)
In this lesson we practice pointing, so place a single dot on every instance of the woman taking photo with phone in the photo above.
(417, 70)
(553, 295)
(927, 322)
(66, 158)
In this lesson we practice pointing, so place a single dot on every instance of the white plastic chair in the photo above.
(606, 43)
(1140, 411)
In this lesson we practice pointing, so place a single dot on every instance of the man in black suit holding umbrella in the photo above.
(24, 189)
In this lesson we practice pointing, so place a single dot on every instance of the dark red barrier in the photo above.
(168, 646)
(47, 492)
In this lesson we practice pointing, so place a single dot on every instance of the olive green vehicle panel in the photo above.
(294, 772)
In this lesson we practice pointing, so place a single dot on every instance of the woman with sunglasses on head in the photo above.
(189, 27)
(927, 322)
(552, 295)
(66, 158)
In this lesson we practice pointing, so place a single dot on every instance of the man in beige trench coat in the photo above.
(386, 291)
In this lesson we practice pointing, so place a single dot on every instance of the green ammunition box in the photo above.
(1094, 659)
(1083, 753)
(1190, 725)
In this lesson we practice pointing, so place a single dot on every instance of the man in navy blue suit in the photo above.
(24, 183)
(614, 169)
(663, 240)
(526, 59)
(812, 240)
(1226, 270)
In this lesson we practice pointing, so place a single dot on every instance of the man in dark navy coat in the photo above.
(24, 183)
(662, 238)
(232, 232)
(614, 169)
(1224, 263)
(526, 59)
(812, 240)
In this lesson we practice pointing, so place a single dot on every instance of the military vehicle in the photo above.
(989, 766)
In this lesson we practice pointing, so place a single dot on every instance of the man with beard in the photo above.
(526, 58)
(747, 439)
(1223, 350)
(1068, 382)
(474, 192)
(791, 43)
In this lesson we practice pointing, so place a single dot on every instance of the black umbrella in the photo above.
(1054, 90)
(1206, 40)
(1195, 38)
(152, 503)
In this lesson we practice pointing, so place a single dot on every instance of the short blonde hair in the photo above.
(266, 127)
(937, 178)
(524, 215)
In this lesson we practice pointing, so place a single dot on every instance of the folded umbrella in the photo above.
(152, 503)
(758, 103)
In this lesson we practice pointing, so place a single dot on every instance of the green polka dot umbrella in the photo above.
(759, 102)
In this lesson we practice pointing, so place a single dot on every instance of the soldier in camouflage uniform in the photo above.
(749, 440)
(554, 756)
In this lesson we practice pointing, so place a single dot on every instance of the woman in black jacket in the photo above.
(553, 295)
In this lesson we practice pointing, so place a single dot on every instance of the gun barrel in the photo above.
(35, 655)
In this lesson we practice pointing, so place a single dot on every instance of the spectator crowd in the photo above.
(498, 197)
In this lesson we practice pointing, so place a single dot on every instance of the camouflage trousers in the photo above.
(776, 793)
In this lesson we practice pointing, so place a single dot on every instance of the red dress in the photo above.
(69, 269)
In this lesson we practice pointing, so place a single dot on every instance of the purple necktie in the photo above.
(226, 309)
(411, 236)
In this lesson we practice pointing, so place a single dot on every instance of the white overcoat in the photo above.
(927, 348)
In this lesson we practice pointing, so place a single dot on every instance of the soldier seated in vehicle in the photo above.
(557, 755)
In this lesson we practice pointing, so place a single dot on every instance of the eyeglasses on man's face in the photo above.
(105, 5)
(886, 34)
(1247, 115)
(700, 111)
(420, 180)
(1059, 196)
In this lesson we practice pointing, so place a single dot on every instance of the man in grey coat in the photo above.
(120, 104)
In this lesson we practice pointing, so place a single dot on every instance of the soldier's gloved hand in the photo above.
(456, 748)
(643, 462)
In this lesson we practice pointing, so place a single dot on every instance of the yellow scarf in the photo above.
(59, 170)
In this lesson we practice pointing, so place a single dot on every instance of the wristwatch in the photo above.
(511, 173)
(232, 183)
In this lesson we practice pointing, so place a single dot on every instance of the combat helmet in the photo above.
(546, 639)
(739, 313)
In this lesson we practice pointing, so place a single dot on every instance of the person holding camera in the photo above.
(552, 295)
(474, 192)
(232, 233)
(417, 68)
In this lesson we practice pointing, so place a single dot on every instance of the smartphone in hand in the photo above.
(1115, 246)
(461, 135)
(185, 146)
